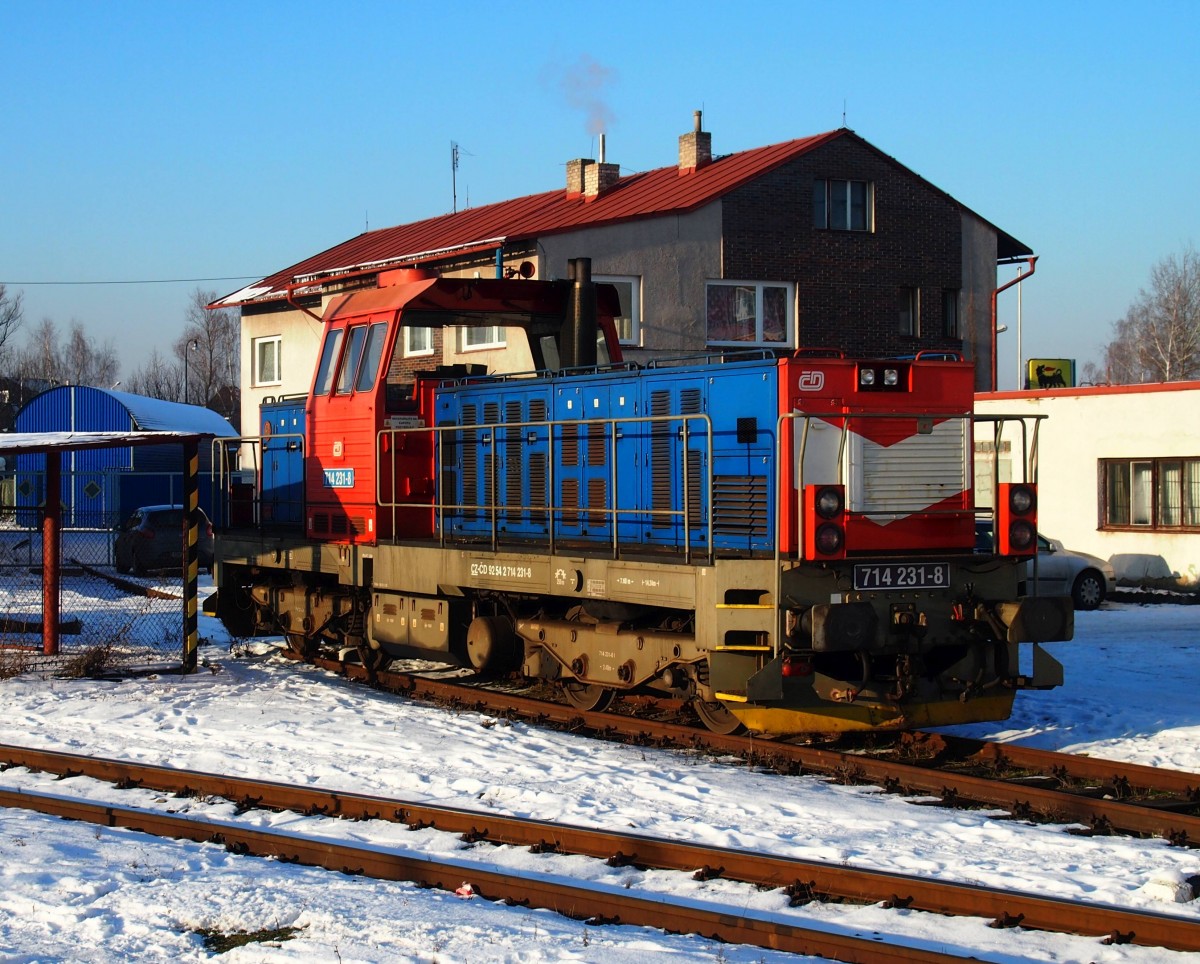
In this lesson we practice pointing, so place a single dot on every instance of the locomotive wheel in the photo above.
(587, 696)
(297, 643)
(716, 717)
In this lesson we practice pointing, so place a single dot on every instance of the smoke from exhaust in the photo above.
(582, 85)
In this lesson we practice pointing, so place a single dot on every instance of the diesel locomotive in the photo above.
(783, 543)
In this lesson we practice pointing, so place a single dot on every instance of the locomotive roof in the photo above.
(636, 196)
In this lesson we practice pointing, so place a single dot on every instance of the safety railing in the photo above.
(553, 511)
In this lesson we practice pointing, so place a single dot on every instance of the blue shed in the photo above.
(104, 485)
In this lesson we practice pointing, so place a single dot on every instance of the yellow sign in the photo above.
(1050, 373)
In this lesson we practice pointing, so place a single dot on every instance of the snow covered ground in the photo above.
(71, 892)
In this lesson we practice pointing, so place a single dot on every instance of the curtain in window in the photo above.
(1118, 494)
(1143, 493)
(1191, 493)
(774, 314)
(732, 313)
(1169, 494)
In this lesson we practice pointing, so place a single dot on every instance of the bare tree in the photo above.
(11, 314)
(87, 363)
(212, 341)
(1158, 340)
(158, 378)
(38, 360)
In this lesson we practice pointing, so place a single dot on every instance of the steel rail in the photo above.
(803, 879)
(599, 905)
(1021, 799)
(1125, 777)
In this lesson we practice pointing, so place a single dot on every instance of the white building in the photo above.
(1118, 473)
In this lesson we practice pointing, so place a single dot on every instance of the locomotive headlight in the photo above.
(866, 376)
(1021, 535)
(829, 538)
(1020, 499)
(891, 377)
(829, 503)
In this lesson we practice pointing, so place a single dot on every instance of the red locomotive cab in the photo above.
(355, 409)
(897, 433)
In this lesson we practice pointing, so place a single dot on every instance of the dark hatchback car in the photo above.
(152, 538)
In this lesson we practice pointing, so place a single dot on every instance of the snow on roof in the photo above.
(44, 441)
(154, 414)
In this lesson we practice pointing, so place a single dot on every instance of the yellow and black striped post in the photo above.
(191, 559)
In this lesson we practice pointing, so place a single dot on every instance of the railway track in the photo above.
(803, 880)
(1102, 796)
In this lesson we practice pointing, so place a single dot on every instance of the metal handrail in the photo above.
(553, 429)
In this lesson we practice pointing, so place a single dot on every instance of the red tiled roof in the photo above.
(648, 194)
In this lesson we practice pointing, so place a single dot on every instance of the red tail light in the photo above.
(1016, 519)
(825, 521)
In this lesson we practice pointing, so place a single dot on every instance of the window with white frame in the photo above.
(843, 205)
(750, 313)
(418, 341)
(909, 306)
(1162, 493)
(473, 339)
(629, 291)
(266, 355)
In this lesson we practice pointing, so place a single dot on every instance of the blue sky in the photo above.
(156, 141)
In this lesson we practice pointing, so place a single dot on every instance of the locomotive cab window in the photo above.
(329, 354)
(368, 369)
(351, 358)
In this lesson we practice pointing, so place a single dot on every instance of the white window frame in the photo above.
(413, 338)
(255, 345)
(789, 336)
(491, 336)
(634, 307)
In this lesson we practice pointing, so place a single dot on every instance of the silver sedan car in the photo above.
(1087, 579)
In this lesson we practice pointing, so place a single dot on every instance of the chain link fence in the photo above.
(110, 622)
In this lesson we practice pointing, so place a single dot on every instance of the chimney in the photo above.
(599, 177)
(695, 148)
(575, 175)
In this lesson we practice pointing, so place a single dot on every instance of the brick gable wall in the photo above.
(848, 282)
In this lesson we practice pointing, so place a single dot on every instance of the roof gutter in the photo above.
(1032, 262)
(318, 279)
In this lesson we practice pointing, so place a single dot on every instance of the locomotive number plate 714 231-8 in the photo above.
(905, 575)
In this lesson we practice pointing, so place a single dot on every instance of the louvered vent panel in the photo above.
(597, 444)
(514, 470)
(489, 499)
(537, 480)
(570, 445)
(338, 525)
(597, 490)
(740, 505)
(695, 512)
(470, 460)
(570, 501)
(913, 474)
(660, 460)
